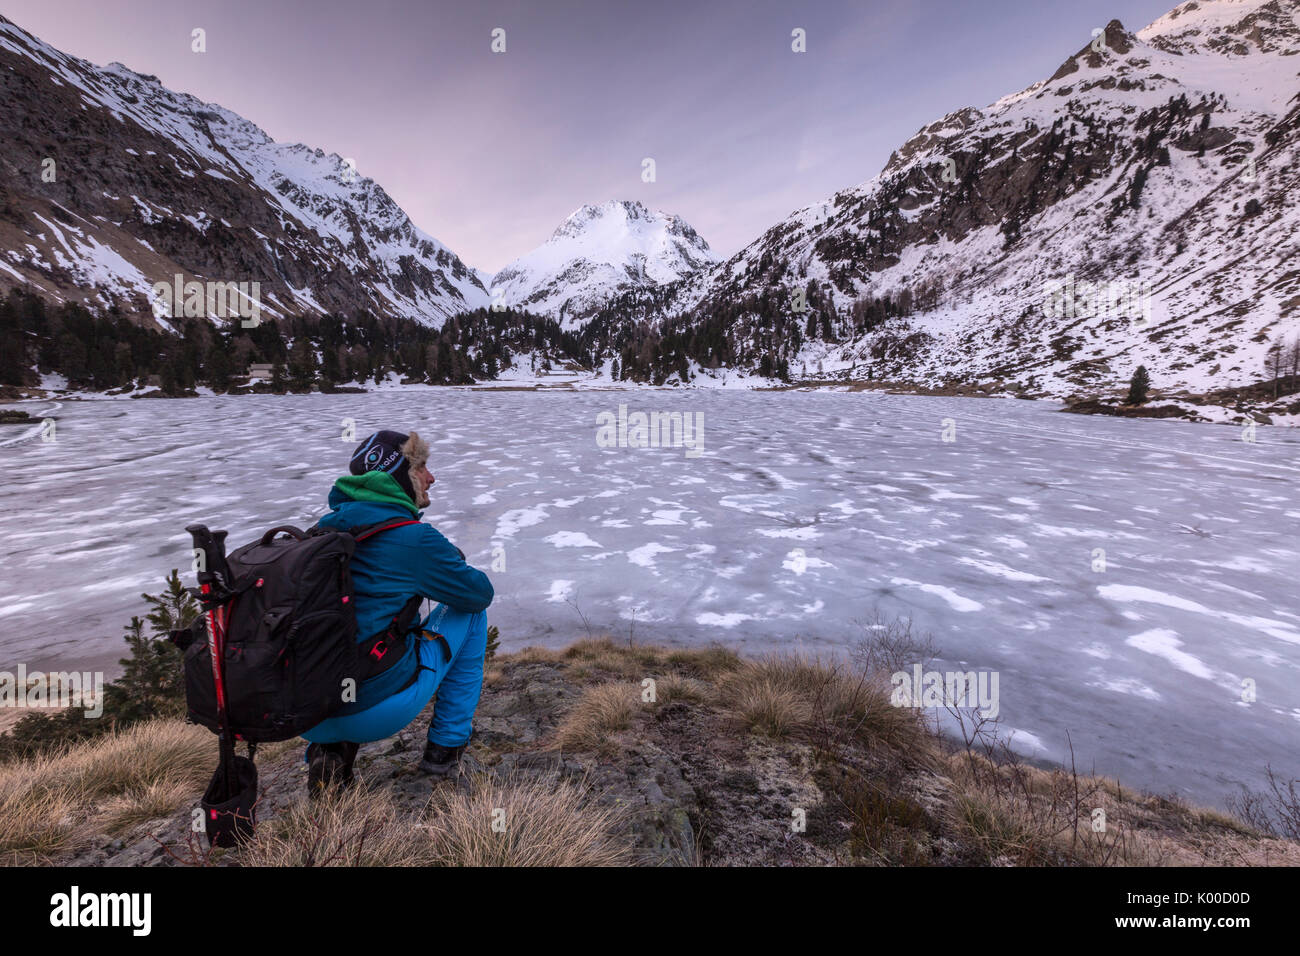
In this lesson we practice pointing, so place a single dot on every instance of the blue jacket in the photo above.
(390, 567)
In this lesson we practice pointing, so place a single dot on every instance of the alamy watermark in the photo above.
(223, 300)
(653, 430)
(922, 688)
(83, 689)
(128, 910)
(1071, 299)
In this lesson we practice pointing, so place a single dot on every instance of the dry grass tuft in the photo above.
(887, 825)
(150, 802)
(674, 689)
(821, 703)
(50, 803)
(602, 710)
(533, 822)
(353, 827)
(529, 655)
(706, 663)
(767, 706)
(1013, 814)
(516, 822)
(636, 661)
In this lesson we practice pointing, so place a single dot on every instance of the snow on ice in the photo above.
(805, 514)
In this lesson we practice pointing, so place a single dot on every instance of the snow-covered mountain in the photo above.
(599, 252)
(1164, 162)
(110, 182)
(1136, 207)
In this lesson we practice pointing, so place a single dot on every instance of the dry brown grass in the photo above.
(1007, 812)
(512, 823)
(527, 655)
(689, 690)
(148, 802)
(609, 706)
(1010, 813)
(766, 705)
(603, 709)
(354, 827)
(632, 660)
(706, 663)
(49, 804)
(524, 823)
(904, 797)
(824, 704)
(636, 661)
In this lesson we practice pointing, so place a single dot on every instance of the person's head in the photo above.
(416, 451)
(405, 457)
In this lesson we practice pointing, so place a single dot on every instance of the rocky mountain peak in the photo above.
(598, 252)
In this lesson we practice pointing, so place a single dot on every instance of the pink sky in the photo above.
(489, 152)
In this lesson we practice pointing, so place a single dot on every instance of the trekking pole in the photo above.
(214, 577)
(230, 800)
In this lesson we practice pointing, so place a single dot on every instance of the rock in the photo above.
(689, 788)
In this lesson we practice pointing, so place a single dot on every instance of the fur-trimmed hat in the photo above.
(392, 452)
(416, 450)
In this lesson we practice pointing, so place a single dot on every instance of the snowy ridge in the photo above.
(318, 234)
(1195, 113)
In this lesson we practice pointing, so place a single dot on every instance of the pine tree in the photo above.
(219, 365)
(1275, 362)
(330, 372)
(1139, 183)
(173, 610)
(302, 365)
(72, 359)
(152, 681)
(168, 379)
(138, 692)
(12, 345)
(1137, 386)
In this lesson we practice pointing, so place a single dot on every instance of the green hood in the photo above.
(377, 486)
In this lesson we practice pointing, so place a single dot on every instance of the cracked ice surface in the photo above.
(804, 513)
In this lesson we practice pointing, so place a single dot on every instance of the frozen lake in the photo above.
(804, 513)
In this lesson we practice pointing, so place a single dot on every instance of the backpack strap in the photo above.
(381, 651)
(363, 531)
(287, 529)
(358, 531)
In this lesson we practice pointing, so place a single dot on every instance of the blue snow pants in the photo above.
(458, 683)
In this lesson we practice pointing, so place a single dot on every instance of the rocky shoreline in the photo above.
(731, 763)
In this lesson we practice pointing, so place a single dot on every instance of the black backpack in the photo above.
(290, 635)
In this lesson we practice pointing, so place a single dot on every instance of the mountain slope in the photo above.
(148, 183)
(599, 252)
(1163, 162)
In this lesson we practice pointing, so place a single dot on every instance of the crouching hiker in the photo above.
(406, 659)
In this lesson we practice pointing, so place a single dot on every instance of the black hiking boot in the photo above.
(440, 761)
(329, 765)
